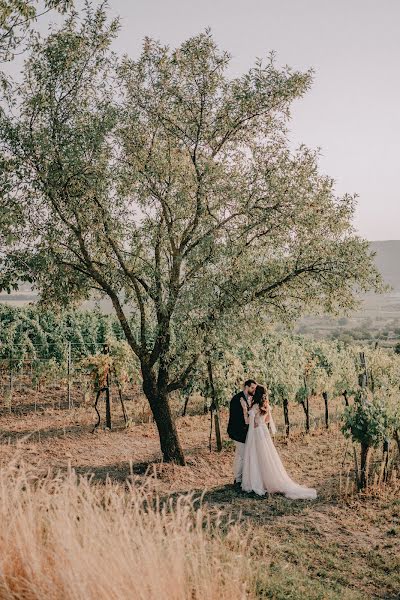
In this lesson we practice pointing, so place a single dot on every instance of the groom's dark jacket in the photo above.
(237, 428)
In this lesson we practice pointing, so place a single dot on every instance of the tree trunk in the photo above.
(169, 441)
(159, 403)
(285, 403)
(364, 465)
(325, 397)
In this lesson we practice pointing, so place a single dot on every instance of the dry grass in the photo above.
(63, 537)
(343, 546)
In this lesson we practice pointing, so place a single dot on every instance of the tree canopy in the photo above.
(17, 18)
(171, 188)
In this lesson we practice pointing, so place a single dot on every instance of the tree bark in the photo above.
(325, 397)
(285, 403)
(158, 398)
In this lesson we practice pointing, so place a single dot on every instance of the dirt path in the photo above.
(335, 547)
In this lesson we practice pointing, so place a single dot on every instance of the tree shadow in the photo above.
(39, 435)
(32, 407)
(230, 503)
(117, 472)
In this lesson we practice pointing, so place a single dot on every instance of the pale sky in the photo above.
(353, 110)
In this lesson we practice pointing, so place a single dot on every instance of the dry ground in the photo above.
(340, 546)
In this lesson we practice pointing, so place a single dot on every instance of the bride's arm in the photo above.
(245, 411)
(257, 415)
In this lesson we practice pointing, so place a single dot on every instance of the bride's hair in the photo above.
(261, 398)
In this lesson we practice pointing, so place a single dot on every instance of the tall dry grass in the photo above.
(66, 538)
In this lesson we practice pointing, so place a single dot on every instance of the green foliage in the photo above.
(171, 188)
(38, 335)
(17, 18)
(369, 420)
(98, 366)
(125, 364)
(41, 339)
(374, 417)
(229, 217)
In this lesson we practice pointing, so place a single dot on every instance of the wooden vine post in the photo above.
(10, 399)
(285, 402)
(363, 380)
(214, 408)
(305, 402)
(70, 403)
(284, 397)
(124, 413)
(325, 397)
(108, 396)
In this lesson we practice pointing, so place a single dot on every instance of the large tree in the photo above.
(170, 188)
(17, 30)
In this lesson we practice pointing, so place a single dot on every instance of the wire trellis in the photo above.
(30, 371)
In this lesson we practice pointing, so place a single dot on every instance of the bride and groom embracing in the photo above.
(258, 467)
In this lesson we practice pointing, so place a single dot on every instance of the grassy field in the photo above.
(143, 529)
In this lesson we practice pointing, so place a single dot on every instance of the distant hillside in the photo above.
(388, 261)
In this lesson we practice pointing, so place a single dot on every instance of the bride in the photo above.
(263, 471)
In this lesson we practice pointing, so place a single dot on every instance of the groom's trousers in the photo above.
(238, 462)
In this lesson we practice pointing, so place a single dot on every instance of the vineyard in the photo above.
(316, 395)
(166, 187)
(81, 357)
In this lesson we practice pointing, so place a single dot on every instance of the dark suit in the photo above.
(237, 428)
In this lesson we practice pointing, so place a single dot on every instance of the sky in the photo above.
(352, 112)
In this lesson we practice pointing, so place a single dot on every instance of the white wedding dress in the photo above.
(263, 471)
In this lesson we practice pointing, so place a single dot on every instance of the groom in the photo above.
(238, 425)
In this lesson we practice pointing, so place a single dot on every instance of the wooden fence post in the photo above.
(11, 381)
(214, 406)
(70, 403)
(106, 350)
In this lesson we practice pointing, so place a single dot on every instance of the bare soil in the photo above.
(342, 545)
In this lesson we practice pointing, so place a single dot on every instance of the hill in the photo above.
(387, 260)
